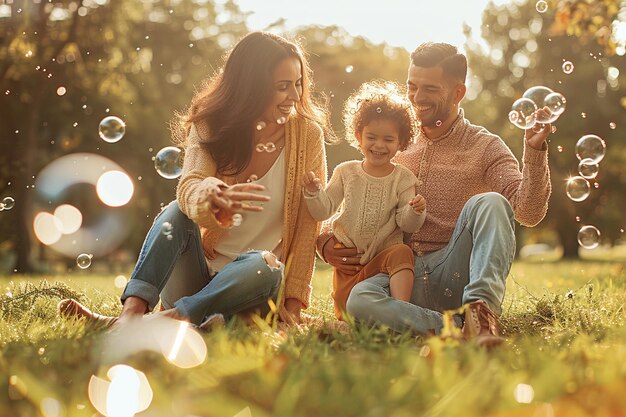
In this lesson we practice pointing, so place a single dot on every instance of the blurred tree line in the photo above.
(142, 60)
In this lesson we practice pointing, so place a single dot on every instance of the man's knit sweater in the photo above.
(466, 161)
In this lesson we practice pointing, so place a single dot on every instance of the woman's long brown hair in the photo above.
(233, 100)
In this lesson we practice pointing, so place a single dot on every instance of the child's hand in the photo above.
(418, 204)
(312, 184)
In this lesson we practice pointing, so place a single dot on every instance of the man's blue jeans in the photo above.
(473, 266)
(176, 269)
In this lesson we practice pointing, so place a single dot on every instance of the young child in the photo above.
(375, 197)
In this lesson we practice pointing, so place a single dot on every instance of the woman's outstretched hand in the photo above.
(233, 199)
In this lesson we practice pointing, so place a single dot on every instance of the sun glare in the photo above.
(115, 188)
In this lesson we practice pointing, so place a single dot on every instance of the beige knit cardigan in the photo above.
(304, 147)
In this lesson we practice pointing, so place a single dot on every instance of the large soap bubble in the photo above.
(523, 114)
(112, 129)
(168, 162)
(556, 104)
(591, 147)
(577, 189)
(589, 237)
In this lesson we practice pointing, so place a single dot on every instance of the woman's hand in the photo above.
(231, 199)
(311, 183)
(346, 260)
(293, 307)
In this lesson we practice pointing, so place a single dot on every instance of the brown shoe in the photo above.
(69, 308)
(481, 325)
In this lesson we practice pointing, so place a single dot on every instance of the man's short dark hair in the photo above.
(431, 54)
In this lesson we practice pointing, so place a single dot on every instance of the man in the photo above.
(473, 189)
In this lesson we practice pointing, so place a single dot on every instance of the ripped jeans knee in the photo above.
(271, 260)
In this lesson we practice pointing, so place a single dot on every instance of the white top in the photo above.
(375, 210)
(260, 230)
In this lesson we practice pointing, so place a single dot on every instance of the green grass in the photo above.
(564, 323)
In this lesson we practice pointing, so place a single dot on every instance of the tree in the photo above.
(137, 60)
(524, 49)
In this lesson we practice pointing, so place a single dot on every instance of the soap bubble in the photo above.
(61, 91)
(589, 237)
(281, 120)
(556, 103)
(168, 162)
(537, 94)
(112, 129)
(261, 125)
(349, 69)
(166, 229)
(83, 261)
(541, 6)
(577, 189)
(612, 125)
(592, 147)
(567, 67)
(7, 203)
(237, 219)
(522, 113)
(588, 169)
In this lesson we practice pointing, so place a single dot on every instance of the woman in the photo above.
(251, 135)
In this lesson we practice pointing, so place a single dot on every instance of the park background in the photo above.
(143, 60)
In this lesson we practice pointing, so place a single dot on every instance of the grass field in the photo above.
(565, 355)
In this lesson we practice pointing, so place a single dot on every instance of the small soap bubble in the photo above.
(592, 147)
(596, 185)
(583, 115)
(260, 147)
(379, 110)
(587, 168)
(438, 123)
(522, 113)
(589, 237)
(261, 125)
(612, 125)
(237, 219)
(553, 130)
(541, 6)
(447, 292)
(61, 91)
(577, 219)
(112, 129)
(567, 67)
(168, 162)
(169, 237)
(8, 203)
(577, 189)
(349, 69)
(270, 147)
(559, 148)
(84, 260)
(166, 229)
(281, 120)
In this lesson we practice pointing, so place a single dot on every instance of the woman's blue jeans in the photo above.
(473, 266)
(175, 270)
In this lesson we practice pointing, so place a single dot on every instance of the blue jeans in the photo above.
(176, 269)
(473, 266)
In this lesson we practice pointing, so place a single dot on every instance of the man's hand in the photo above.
(536, 136)
(346, 260)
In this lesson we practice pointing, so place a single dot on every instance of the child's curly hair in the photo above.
(379, 100)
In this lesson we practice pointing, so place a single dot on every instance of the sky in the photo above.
(403, 23)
